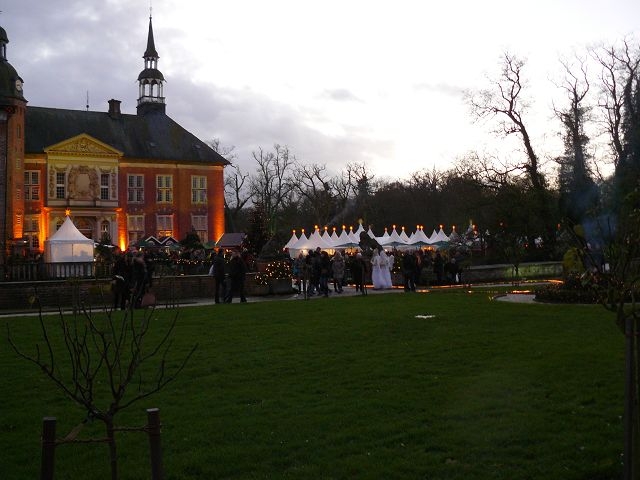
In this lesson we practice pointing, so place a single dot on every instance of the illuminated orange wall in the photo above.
(181, 208)
(216, 204)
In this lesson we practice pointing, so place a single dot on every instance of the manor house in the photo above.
(119, 176)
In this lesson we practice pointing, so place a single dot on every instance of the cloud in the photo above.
(440, 88)
(340, 95)
(248, 121)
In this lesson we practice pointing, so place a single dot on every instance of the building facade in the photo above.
(119, 176)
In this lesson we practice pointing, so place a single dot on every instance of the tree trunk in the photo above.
(112, 449)
(631, 450)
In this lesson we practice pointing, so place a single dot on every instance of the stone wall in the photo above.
(526, 271)
(24, 296)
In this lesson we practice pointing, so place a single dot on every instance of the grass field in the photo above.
(354, 387)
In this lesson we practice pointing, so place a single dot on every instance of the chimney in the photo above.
(114, 108)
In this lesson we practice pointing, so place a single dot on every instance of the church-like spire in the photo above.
(151, 46)
(150, 80)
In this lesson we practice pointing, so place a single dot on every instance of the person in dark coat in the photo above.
(358, 270)
(138, 278)
(219, 275)
(237, 274)
(409, 267)
(325, 272)
(438, 267)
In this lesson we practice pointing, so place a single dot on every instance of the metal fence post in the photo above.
(48, 448)
(153, 430)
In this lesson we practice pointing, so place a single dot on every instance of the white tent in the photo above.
(394, 239)
(314, 241)
(292, 240)
(403, 236)
(343, 239)
(419, 238)
(334, 236)
(441, 236)
(68, 244)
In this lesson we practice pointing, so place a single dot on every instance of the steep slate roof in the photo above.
(230, 240)
(151, 136)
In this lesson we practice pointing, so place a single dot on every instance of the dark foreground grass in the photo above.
(356, 388)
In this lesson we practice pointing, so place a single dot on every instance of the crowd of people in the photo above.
(318, 273)
(132, 279)
(314, 273)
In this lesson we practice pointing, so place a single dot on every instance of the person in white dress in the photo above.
(390, 263)
(376, 271)
(385, 275)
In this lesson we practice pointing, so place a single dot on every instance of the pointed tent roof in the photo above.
(291, 241)
(355, 236)
(370, 233)
(404, 236)
(442, 237)
(334, 236)
(419, 237)
(69, 233)
(320, 240)
(393, 239)
(384, 238)
(343, 238)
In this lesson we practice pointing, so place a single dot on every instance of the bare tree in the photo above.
(578, 192)
(272, 184)
(110, 349)
(236, 194)
(227, 151)
(619, 80)
(316, 191)
(487, 171)
(505, 102)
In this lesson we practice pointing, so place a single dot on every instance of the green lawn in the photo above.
(355, 387)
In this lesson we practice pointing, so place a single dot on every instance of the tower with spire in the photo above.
(151, 80)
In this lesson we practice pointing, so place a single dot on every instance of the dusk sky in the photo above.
(336, 81)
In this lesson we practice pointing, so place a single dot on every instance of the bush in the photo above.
(572, 290)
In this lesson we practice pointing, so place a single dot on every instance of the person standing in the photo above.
(409, 268)
(358, 270)
(237, 273)
(139, 278)
(376, 271)
(438, 268)
(385, 270)
(325, 269)
(219, 275)
(337, 267)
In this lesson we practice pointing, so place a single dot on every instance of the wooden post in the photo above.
(155, 448)
(48, 448)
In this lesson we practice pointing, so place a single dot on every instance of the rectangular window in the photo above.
(135, 188)
(61, 189)
(200, 225)
(198, 189)
(32, 185)
(31, 231)
(164, 188)
(104, 186)
(135, 222)
(135, 228)
(164, 225)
